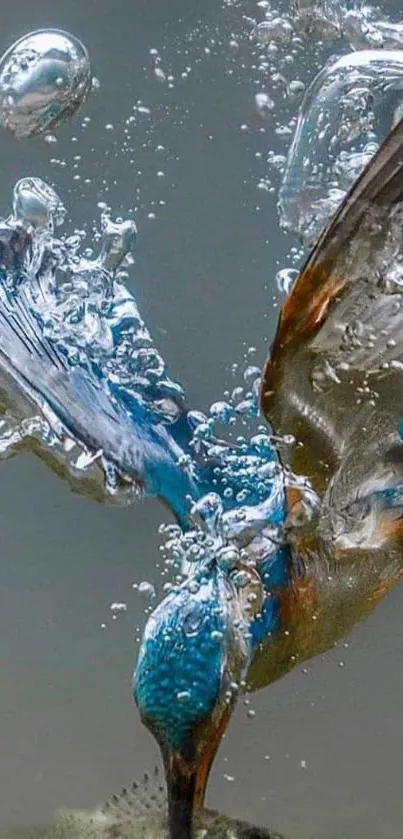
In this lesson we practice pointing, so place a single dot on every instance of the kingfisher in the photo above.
(308, 556)
(333, 383)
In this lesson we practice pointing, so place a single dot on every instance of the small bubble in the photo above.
(222, 412)
(264, 104)
(159, 74)
(183, 695)
(241, 579)
(147, 590)
(285, 279)
(118, 607)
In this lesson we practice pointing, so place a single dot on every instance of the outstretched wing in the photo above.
(81, 402)
(334, 379)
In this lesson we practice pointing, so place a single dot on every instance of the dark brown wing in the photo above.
(335, 375)
(335, 382)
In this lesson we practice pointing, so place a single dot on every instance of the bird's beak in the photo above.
(187, 778)
(183, 796)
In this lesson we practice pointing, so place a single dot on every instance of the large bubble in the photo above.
(347, 111)
(44, 78)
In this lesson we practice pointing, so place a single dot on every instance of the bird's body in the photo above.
(333, 382)
(317, 543)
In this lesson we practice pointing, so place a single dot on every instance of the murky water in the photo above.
(187, 157)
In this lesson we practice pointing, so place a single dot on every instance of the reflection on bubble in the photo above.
(347, 111)
(44, 78)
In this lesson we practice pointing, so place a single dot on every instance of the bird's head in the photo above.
(193, 654)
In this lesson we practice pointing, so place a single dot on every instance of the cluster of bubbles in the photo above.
(82, 306)
(80, 302)
(344, 113)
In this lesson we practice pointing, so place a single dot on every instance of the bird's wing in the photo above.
(82, 402)
(334, 379)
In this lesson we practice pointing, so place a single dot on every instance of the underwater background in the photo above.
(322, 756)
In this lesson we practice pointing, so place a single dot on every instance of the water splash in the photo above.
(76, 311)
(347, 111)
(103, 385)
(95, 393)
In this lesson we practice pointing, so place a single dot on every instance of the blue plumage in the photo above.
(178, 676)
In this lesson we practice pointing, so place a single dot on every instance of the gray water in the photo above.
(321, 759)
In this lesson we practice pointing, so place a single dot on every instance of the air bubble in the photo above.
(264, 104)
(285, 279)
(44, 78)
(118, 608)
(342, 120)
(147, 590)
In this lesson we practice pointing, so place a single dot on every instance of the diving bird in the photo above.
(334, 384)
(308, 537)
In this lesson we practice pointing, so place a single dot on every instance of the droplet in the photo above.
(44, 78)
